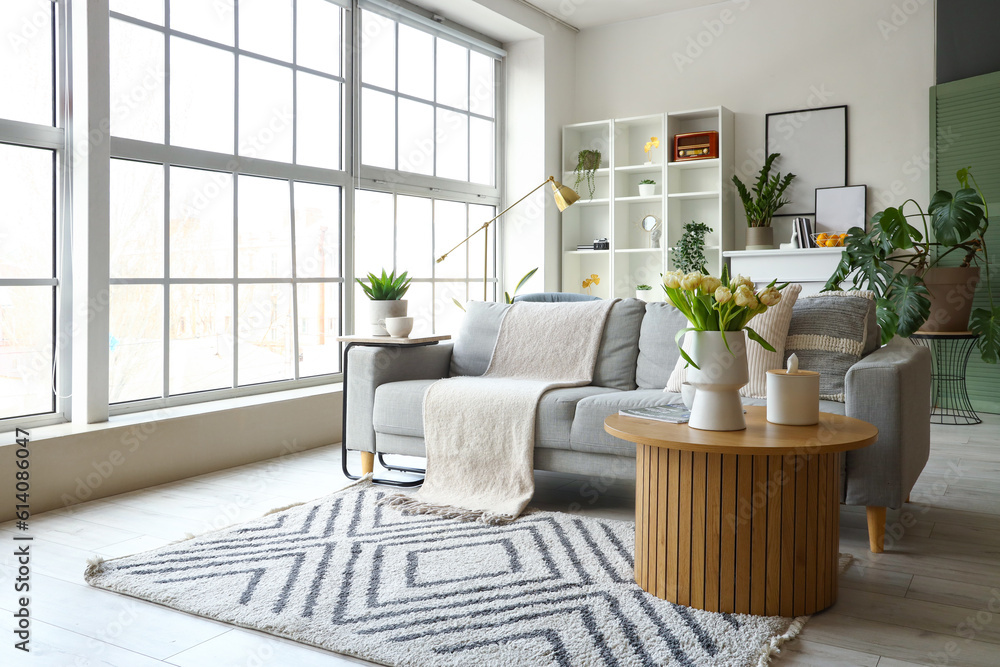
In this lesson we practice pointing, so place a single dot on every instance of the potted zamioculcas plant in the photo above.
(647, 187)
(902, 265)
(386, 295)
(761, 203)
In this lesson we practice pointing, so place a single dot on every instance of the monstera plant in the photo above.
(894, 259)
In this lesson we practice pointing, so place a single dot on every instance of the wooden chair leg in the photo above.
(876, 529)
(368, 465)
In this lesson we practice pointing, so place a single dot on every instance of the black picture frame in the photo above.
(813, 146)
(841, 207)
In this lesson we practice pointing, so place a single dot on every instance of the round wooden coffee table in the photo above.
(740, 521)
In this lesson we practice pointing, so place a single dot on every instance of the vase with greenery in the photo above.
(894, 260)
(644, 292)
(761, 203)
(587, 164)
(718, 310)
(647, 187)
(689, 253)
(386, 298)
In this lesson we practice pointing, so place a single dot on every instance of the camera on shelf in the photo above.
(602, 244)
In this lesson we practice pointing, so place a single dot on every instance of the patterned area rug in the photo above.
(347, 575)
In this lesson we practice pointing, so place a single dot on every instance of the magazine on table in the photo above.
(674, 414)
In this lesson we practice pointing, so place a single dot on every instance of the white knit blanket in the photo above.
(479, 432)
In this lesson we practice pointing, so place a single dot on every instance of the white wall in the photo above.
(756, 57)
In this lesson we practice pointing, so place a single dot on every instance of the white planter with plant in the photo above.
(647, 187)
(644, 293)
(386, 295)
(715, 348)
(762, 202)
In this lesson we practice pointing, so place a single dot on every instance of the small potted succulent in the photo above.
(647, 187)
(386, 294)
(644, 292)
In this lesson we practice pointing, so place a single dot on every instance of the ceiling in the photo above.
(590, 13)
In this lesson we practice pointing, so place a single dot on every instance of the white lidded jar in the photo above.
(793, 395)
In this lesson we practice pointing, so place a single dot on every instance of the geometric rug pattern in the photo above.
(345, 574)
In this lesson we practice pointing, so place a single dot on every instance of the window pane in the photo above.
(453, 145)
(416, 63)
(319, 36)
(319, 326)
(264, 228)
(448, 316)
(266, 27)
(136, 220)
(482, 163)
(317, 231)
(147, 10)
(201, 96)
(481, 84)
(26, 226)
(26, 350)
(378, 50)
(201, 224)
(265, 110)
(415, 252)
(26, 61)
(136, 355)
(373, 247)
(378, 122)
(318, 116)
(201, 337)
(416, 137)
(478, 214)
(449, 229)
(211, 20)
(420, 306)
(452, 74)
(137, 88)
(265, 328)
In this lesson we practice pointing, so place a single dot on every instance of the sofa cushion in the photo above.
(477, 337)
(616, 358)
(829, 333)
(399, 411)
(657, 349)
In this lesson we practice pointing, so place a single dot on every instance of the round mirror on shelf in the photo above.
(650, 223)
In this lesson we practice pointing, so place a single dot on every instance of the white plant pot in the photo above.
(380, 310)
(644, 295)
(647, 190)
(717, 405)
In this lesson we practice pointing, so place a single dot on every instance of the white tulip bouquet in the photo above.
(719, 304)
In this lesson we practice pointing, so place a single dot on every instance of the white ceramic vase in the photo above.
(380, 310)
(644, 295)
(717, 405)
(647, 189)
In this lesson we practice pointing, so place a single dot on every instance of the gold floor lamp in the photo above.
(564, 196)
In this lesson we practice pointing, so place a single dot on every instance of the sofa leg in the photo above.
(368, 464)
(876, 529)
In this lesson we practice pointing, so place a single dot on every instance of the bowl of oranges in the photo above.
(829, 239)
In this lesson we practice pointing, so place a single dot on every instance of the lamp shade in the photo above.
(565, 196)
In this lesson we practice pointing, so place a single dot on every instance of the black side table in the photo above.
(950, 351)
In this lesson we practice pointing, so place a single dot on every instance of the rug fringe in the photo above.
(410, 505)
(94, 567)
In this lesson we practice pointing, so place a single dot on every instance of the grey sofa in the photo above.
(889, 387)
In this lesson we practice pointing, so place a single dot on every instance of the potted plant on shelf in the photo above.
(718, 310)
(587, 164)
(654, 142)
(689, 253)
(762, 202)
(647, 187)
(386, 295)
(644, 292)
(902, 266)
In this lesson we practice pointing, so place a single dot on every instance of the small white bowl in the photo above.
(399, 327)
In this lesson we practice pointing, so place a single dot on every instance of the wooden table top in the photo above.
(833, 433)
(389, 340)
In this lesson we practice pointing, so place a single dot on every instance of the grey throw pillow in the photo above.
(658, 352)
(829, 333)
(616, 357)
(477, 337)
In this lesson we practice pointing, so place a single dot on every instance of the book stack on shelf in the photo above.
(803, 233)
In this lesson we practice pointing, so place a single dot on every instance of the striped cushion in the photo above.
(829, 333)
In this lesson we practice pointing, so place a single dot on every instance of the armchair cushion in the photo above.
(477, 337)
(657, 350)
(616, 357)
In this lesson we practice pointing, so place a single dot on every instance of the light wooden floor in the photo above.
(933, 598)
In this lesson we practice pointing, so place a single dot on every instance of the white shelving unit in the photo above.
(697, 189)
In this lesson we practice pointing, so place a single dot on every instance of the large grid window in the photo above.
(31, 152)
(226, 194)
(428, 122)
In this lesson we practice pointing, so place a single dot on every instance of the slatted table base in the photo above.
(738, 533)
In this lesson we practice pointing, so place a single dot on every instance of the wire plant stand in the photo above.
(950, 352)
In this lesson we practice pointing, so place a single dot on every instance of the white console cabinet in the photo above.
(809, 266)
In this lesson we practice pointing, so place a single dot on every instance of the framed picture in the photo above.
(839, 209)
(813, 146)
